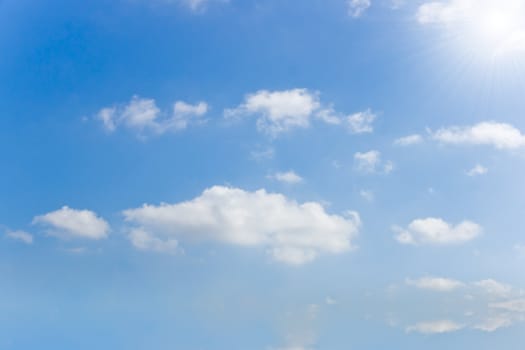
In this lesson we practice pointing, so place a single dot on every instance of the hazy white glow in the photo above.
(494, 27)
(496, 23)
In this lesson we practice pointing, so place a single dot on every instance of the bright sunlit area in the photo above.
(488, 27)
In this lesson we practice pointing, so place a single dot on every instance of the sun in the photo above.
(497, 23)
(491, 28)
(496, 27)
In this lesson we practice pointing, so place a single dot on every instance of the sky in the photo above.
(262, 174)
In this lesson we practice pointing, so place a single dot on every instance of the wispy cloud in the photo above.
(70, 223)
(289, 177)
(21, 236)
(499, 135)
(438, 284)
(371, 162)
(143, 116)
(435, 327)
(477, 170)
(356, 8)
(437, 231)
(409, 140)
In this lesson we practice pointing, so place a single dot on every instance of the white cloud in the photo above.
(195, 4)
(370, 162)
(185, 113)
(442, 11)
(487, 286)
(361, 122)
(356, 8)
(143, 115)
(289, 177)
(436, 284)
(492, 324)
(409, 140)
(21, 236)
(330, 301)
(397, 4)
(470, 11)
(367, 161)
(143, 240)
(261, 154)
(493, 287)
(293, 233)
(498, 135)
(77, 250)
(477, 170)
(516, 305)
(435, 327)
(282, 111)
(200, 5)
(329, 116)
(437, 231)
(488, 305)
(279, 111)
(70, 223)
(367, 195)
(107, 117)
(388, 167)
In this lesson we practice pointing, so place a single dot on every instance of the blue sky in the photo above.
(262, 174)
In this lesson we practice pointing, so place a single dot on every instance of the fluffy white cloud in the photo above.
(409, 140)
(21, 236)
(437, 231)
(498, 135)
(361, 122)
(435, 327)
(281, 111)
(371, 162)
(293, 233)
(143, 115)
(70, 223)
(278, 111)
(436, 284)
(185, 113)
(356, 8)
(477, 170)
(289, 177)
